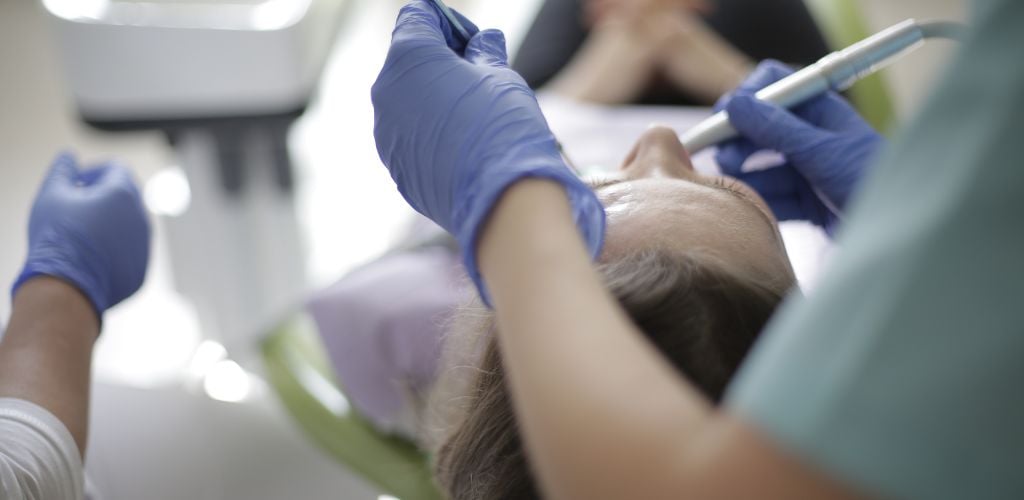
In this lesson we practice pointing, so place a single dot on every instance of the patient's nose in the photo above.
(658, 153)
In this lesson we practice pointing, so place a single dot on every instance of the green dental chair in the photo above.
(300, 374)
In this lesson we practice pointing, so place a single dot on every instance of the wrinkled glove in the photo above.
(88, 228)
(456, 128)
(828, 148)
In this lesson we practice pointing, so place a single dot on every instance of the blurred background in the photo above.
(181, 408)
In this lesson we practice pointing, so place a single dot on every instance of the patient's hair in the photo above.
(698, 313)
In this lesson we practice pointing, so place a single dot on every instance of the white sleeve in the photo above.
(39, 459)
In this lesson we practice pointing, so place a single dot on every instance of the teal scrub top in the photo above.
(902, 374)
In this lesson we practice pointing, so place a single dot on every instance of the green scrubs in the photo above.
(902, 374)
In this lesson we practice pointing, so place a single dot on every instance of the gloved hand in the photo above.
(828, 148)
(456, 127)
(88, 227)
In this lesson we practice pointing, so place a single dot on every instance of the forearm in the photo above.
(614, 66)
(700, 61)
(46, 353)
(596, 401)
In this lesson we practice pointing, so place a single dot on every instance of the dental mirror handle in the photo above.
(837, 71)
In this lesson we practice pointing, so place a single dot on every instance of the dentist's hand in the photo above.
(828, 149)
(88, 227)
(456, 127)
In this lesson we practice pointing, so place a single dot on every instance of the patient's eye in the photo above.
(727, 183)
(738, 188)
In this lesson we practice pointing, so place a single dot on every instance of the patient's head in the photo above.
(657, 201)
(698, 265)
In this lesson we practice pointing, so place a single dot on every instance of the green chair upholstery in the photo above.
(299, 372)
(843, 23)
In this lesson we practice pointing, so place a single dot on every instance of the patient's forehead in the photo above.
(683, 216)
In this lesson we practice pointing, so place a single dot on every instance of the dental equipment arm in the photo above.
(837, 71)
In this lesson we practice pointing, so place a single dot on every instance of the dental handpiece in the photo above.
(837, 71)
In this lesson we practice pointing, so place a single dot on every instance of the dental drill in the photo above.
(837, 71)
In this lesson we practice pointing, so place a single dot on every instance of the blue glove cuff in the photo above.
(587, 212)
(46, 258)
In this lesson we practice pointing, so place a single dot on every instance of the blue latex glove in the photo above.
(828, 148)
(456, 127)
(88, 227)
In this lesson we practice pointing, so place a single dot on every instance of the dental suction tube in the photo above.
(837, 71)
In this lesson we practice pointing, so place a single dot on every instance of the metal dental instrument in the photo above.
(454, 21)
(837, 71)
